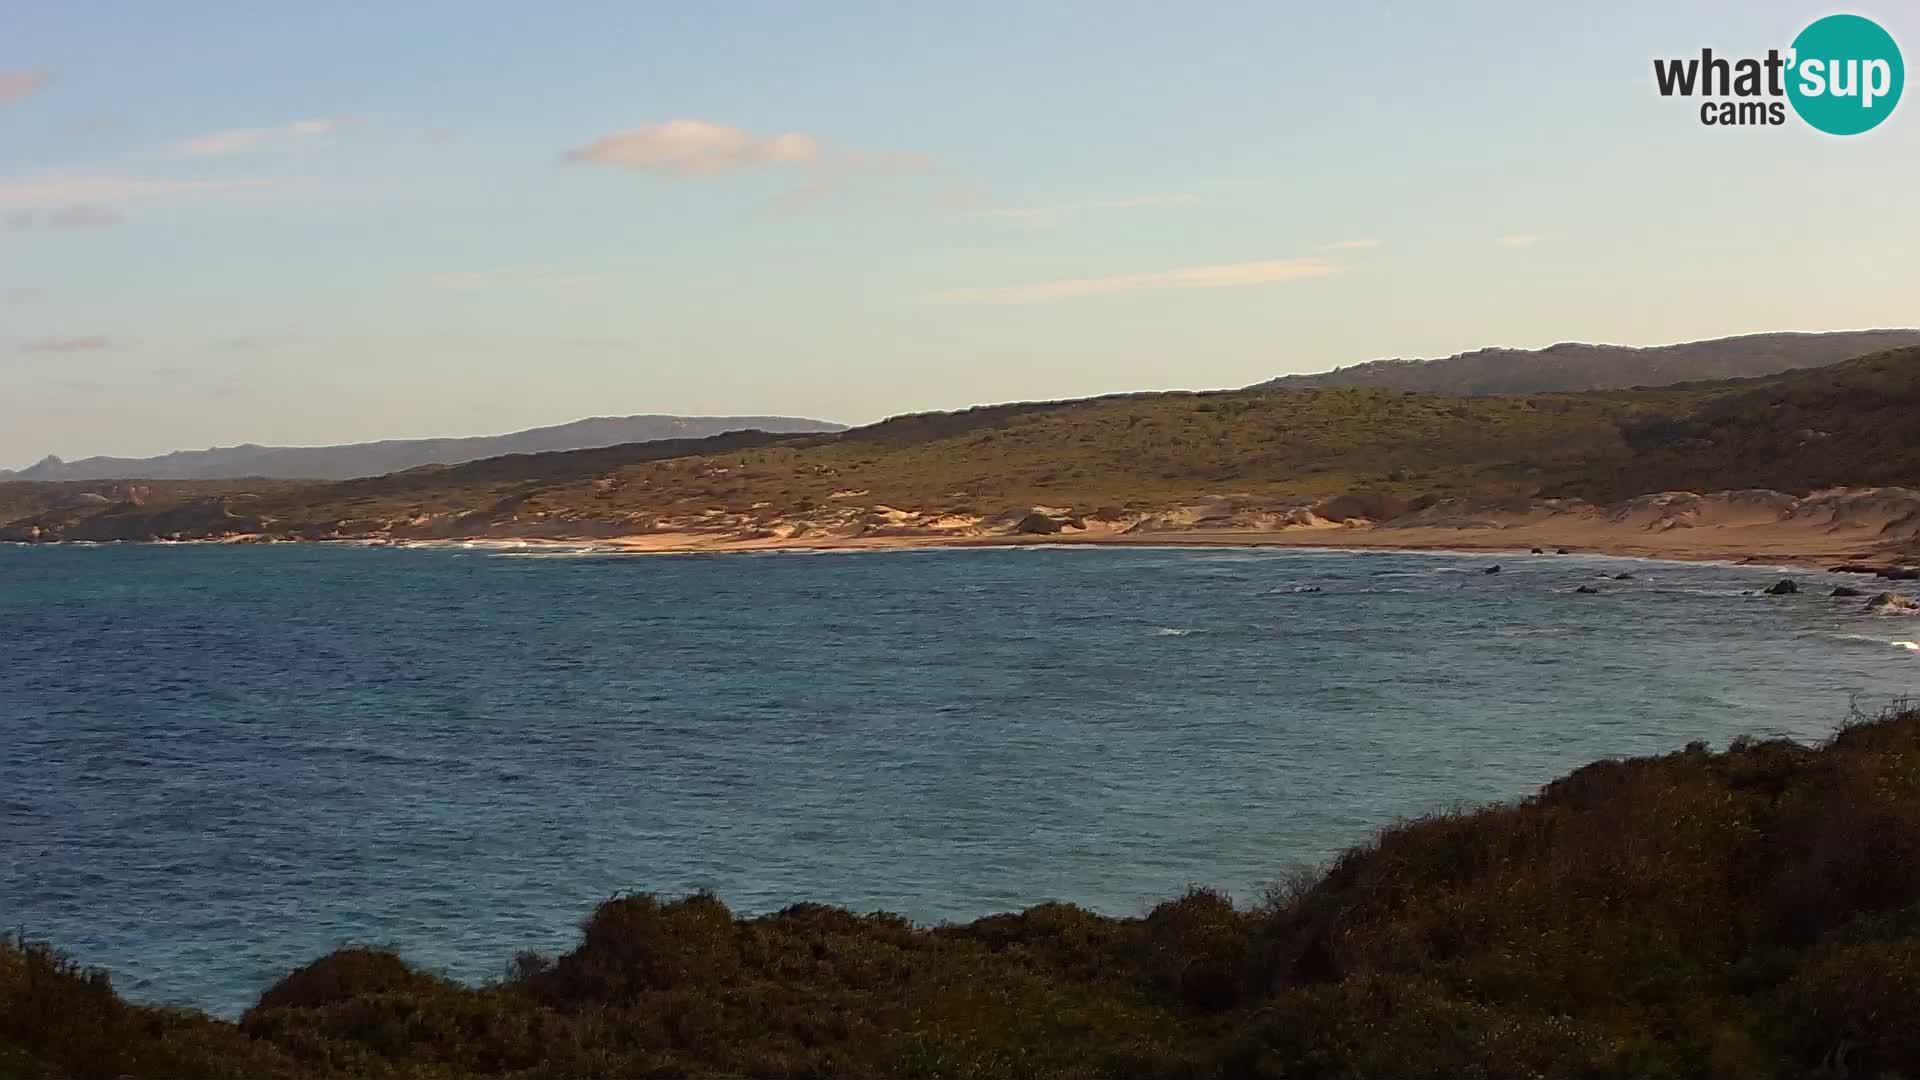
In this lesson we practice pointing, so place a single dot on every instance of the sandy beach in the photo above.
(1873, 527)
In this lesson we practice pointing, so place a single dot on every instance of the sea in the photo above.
(219, 762)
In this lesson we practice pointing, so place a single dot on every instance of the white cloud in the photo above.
(697, 148)
(511, 277)
(238, 140)
(17, 85)
(1517, 240)
(1351, 245)
(1227, 276)
(701, 148)
(66, 190)
(325, 125)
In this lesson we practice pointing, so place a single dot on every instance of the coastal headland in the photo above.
(1813, 466)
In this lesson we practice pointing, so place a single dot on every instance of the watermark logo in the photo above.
(1843, 75)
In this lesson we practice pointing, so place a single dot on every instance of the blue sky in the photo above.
(222, 222)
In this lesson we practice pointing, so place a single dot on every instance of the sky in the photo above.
(305, 224)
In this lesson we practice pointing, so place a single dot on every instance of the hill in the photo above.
(1268, 458)
(1853, 423)
(1749, 913)
(394, 455)
(1571, 367)
(1139, 451)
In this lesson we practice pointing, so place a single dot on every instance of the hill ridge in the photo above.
(1575, 366)
(346, 461)
(1281, 460)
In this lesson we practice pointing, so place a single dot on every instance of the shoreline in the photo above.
(1865, 529)
(1860, 559)
(1794, 550)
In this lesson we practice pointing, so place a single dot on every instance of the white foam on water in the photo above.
(1875, 639)
(559, 553)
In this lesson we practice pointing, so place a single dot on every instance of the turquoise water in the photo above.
(222, 761)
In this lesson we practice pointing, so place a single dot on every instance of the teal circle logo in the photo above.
(1846, 74)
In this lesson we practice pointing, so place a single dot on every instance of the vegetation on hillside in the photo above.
(1750, 913)
(1856, 423)
(1130, 451)
(1571, 367)
(59, 503)
(1848, 423)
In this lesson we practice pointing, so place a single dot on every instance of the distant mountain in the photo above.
(1571, 366)
(378, 458)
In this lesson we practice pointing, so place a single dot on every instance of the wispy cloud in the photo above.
(239, 140)
(1049, 214)
(683, 149)
(1351, 245)
(79, 216)
(20, 84)
(55, 191)
(1226, 276)
(1517, 240)
(65, 345)
(537, 276)
(696, 148)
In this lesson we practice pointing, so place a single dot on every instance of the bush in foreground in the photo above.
(1750, 913)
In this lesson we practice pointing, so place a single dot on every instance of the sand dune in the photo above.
(1876, 526)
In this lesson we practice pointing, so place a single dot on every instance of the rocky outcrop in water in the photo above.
(1893, 603)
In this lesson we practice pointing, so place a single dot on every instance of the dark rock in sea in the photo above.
(1565, 551)
(1494, 569)
(1537, 551)
(1891, 573)
(1893, 603)
(1845, 590)
(1623, 577)
(1588, 589)
(1037, 525)
(1783, 587)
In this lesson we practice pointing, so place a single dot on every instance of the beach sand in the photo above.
(1880, 527)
